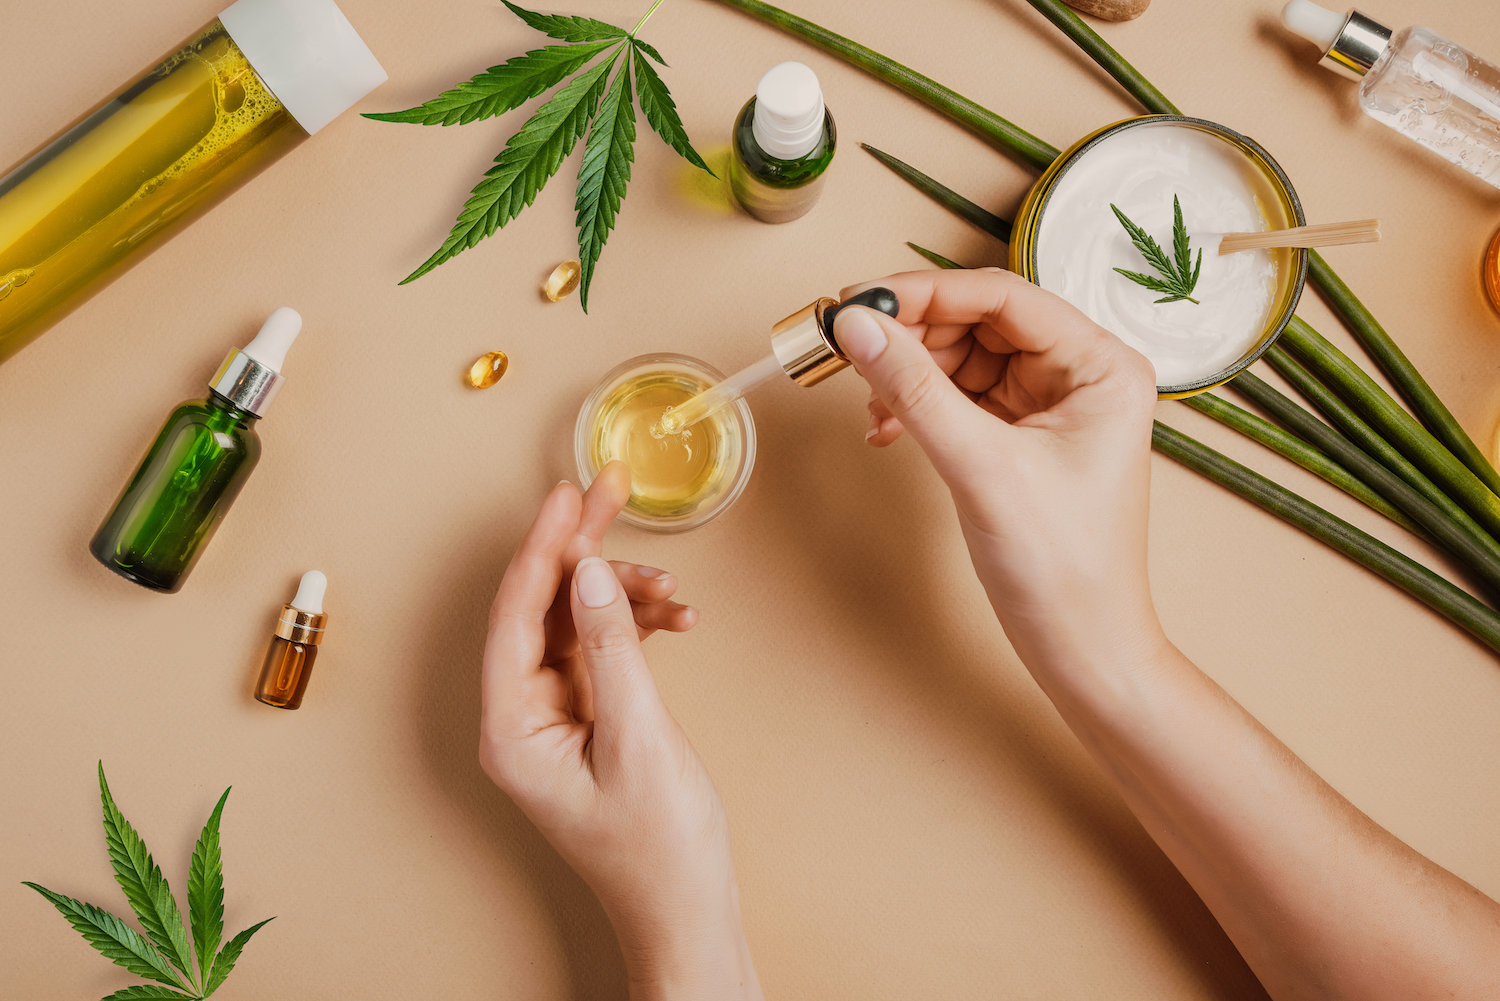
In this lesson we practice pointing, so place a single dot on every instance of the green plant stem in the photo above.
(1436, 417)
(1103, 53)
(1454, 530)
(644, 18)
(990, 127)
(936, 258)
(1340, 374)
(945, 196)
(1459, 606)
(1289, 446)
(1340, 415)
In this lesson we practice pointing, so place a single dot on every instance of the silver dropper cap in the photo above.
(247, 383)
(250, 379)
(1360, 41)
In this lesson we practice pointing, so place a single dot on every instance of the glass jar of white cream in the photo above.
(1068, 240)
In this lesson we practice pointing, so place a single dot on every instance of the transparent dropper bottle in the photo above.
(1426, 87)
(802, 347)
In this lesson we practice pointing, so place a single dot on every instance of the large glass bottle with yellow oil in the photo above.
(140, 166)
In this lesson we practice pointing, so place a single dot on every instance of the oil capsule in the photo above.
(563, 281)
(488, 369)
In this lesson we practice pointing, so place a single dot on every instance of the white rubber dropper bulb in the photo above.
(1316, 24)
(276, 335)
(310, 592)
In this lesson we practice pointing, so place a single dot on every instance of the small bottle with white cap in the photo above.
(196, 466)
(783, 142)
(1429, 89)
(294, 647)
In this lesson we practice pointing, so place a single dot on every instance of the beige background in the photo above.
(911, 819)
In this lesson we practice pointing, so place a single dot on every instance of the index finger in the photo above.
(1005, 312)
(513, 694)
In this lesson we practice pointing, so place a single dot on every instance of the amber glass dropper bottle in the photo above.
(299, 630)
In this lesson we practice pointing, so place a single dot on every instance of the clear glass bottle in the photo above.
(148, 160)
(1430, 89)
(195, 468)
(783, 141)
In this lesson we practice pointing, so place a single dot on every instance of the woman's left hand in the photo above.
(575, 731)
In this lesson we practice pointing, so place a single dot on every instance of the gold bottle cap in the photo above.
(298, 626)
(804, 344)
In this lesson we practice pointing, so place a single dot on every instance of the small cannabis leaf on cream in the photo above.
(1179, 277)
(535, 153)
(161, 954)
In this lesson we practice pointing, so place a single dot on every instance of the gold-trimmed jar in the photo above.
(1291, 272)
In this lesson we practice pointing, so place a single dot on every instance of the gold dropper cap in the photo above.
(804, 345)
(298, 626)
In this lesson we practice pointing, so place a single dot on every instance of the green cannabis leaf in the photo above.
(590, 102)
(164, 945)
(1179, 278)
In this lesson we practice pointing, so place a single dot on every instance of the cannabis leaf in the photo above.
(146, 992)
(606, 170)
(590, 102)
(568, 28)
(1178, 278)
(164, 945)
(119, 942)
(661, 111)
(206, 892)
(144, 885)
(500, 88)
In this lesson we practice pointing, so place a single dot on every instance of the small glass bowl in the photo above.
(1285, 212)
(734, 428)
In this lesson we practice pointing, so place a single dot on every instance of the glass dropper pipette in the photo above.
(802, 347)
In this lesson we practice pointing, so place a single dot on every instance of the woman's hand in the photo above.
(1039, 421)
(574, 730)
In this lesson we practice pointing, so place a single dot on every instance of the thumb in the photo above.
(909, 382)
(624, 693)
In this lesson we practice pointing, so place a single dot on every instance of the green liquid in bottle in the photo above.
(184, 487)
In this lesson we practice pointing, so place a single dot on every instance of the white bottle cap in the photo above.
(1316, 24)
(310, 592)
(788, 111)
(307, 53)
(276, 335)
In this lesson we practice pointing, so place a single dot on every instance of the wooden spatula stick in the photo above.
(1324, 234)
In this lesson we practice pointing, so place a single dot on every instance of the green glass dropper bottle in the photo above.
(196, 466)
(783, 141)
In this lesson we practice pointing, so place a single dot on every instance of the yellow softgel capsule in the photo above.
(563, 280)
(488, 369)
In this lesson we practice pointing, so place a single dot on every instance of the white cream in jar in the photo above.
(1140, 169)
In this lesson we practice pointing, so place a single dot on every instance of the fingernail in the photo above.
(596, 582)
(873, 431)
(561, 482)
(648, 572)
(859, 335)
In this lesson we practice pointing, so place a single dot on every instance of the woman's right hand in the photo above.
(1039, 421)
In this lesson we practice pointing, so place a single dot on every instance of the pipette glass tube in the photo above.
(715, 398)
(802, 348)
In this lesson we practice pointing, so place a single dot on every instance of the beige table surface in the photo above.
(911, 819)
